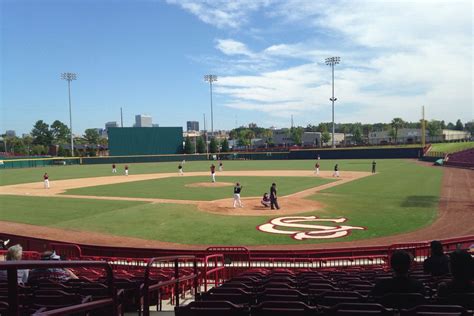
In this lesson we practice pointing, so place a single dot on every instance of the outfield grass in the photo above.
(402, 197)
(27, 175)
(452, 147)
(174, 188)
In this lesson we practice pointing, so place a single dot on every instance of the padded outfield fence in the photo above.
(338, 153)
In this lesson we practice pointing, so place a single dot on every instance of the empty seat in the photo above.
(332, 298)
(435, 310)
(211, 308)
(282, 308)
(402, 300)
(359, 309)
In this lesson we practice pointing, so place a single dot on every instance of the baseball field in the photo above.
(157, 207)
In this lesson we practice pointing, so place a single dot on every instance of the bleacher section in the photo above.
(464, 159)
(225, 283)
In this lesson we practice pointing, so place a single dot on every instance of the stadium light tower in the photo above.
(331, 61)
(211, 79)
(70, 76)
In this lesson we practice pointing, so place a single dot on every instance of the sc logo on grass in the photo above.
(303, 230)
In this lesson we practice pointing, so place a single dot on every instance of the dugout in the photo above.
(129, 141)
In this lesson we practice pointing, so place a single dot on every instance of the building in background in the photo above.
(111, 124)
(10, 133)
(192, 126)
(413, 136)
(143, 121)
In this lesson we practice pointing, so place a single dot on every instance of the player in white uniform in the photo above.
(114, 170)
(46, 180)
(180, 169)
(126, 170)
(237, 190)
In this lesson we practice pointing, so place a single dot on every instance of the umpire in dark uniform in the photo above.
(273, 197)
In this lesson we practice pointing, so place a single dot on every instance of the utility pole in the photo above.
(331, 61)
(423, 131)
(121, 117)
(205, 133)
(70, 76)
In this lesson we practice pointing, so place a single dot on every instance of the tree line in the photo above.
(43, 135)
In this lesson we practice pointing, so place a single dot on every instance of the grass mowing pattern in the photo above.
(401, 198)
(174, 188)
(452, 147)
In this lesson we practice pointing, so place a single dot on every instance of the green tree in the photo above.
(267, 134)
(213, 145)
(39, 150)
(469, 126)
(60, 132)
(249, 135)
(459, 126)
(200, 145)
(91, 136)
(357, 134)
(188, 146)
(450, 126)
(41, 134)
(434, 128)
(224, 145)
(28, 142)
(396, 124)
(296, 134)
(325, 137)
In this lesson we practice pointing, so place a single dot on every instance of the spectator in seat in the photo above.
(54, 274)
(462, 269)
(400, 282)
(438, 263)
(15, 253)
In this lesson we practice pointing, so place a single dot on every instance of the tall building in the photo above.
(111, 124)
(192, 126)
(10, 133)
(143, 121)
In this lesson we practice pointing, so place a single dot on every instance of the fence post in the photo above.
(13, 300)
(196, 278)
(176, 276)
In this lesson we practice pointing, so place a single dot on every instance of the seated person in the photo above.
(462, 269)
(15, 253)
(55, 274)
(438, 263)
(265, 200)
(400, 282)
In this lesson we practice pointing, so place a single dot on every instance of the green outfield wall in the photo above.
(132, 141)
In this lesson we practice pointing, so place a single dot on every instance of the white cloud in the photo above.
(396, 56)
(221, 13)
(232, 47)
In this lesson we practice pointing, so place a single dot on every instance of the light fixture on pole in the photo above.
(331, 61)
(211, 79)
(70, 76)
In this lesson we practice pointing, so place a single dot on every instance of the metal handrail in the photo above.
(176, 280)
(216, 268)
(12, 268)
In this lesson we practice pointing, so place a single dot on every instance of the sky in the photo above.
(150, 57)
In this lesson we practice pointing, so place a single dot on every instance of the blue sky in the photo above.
(149, 57)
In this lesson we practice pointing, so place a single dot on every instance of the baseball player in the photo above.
(46, 180)
(221, 166)
(114, 170)
(237, 190)
(180, 169)
(373, 166)
(316, 168)
(126, 170)
(213, 173)
(336, 171)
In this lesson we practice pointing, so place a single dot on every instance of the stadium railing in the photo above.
(12, 268)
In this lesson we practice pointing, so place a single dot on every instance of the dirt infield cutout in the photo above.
(209, 184)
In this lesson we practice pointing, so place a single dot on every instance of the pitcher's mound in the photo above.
(252, 207)
(209, 184)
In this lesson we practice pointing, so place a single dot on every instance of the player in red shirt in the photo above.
(213, 173)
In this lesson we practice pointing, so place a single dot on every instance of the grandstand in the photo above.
(224, 281)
